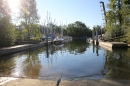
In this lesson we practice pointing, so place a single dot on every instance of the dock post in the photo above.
(97, 37)
(93, 36)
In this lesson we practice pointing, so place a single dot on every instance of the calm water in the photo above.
(73, 60)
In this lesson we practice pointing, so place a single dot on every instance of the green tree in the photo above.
(97, 27)
(126, 18)
(78, 29)
(35, 32)
(7, 31)
(28, 15)
(115, 7)
(58, 29)
(118, 17)
(114, 17)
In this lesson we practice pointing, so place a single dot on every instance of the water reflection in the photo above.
(58, 47)
(75, 59)
(77, 47)
(118, 64)
(47, 53)
(97, 48)
(32, 64)
(93, 48)
(26, 65)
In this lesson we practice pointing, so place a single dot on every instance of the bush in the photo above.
(7, 33)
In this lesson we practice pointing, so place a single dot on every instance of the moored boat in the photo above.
(58, 41)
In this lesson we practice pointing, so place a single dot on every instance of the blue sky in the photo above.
(86, 11)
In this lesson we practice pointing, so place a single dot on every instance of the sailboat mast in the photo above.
(44, 26)
(47, 29)
(54, 28)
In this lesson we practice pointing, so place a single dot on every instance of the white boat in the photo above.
(58, 41)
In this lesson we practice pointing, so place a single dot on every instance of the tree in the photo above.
(7, 31)
(115, 7)
(28, 14)
(97, 27)
(78, 29)
(126, 18)
(118, 17)
(57, 29)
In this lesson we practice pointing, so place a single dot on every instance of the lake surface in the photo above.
(73, 60)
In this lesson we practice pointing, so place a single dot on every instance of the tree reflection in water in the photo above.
(32, 64)
(6, 66)
(118, 64)
(77, 46)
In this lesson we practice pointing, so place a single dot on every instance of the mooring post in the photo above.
(97, 36)
(93, 36)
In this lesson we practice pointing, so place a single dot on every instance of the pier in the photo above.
(110, 45)
(18, 48)
(114, 44)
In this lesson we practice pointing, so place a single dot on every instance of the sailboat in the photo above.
(59, 39)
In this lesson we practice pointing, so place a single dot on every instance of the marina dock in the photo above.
(114, 44)
(110, 45)
(18, 48)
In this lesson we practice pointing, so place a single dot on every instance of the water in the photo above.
(73, 60)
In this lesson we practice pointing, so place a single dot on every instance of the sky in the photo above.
(69, 11)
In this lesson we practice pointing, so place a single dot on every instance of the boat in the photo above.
(58, 41)
(59, 38)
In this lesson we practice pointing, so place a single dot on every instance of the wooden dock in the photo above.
(110, 45)
(18, 48)
(114, 44)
